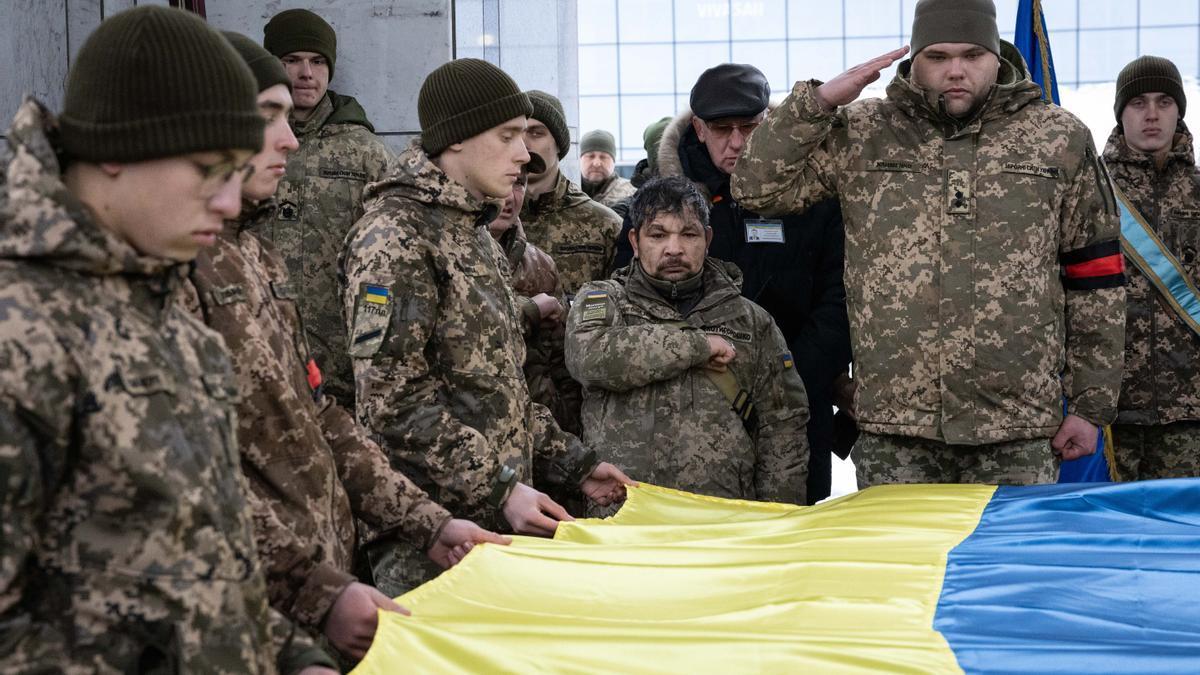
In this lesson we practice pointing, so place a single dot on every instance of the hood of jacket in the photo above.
(333, 109)
(1183, 152)
(565, 195)
(41, 221)
(417, 178)
(681, 153)
(1013, 90)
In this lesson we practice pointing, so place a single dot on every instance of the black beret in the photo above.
(730, 90)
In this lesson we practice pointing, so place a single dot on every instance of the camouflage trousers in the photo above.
(397, 566)
(885, 459)
(1157, 451)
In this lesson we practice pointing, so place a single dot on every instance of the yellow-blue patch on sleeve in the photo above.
(379, 295)
(787, 360)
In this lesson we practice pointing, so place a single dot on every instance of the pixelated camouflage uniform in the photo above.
(533, 272)
(610, 191)
(320, 197)
(438, 350)
(125, 539)
(311, 468)
(965, 326)
(578, 233)
(1162, 355)
(651, 409)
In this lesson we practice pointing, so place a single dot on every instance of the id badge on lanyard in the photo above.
(760, 231)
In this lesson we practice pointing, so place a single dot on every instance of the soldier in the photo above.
(126, 544)
(1152, 159)
(791, 266)
(980, 235)
(558, 217)
(686, 383)
(598, 163)
(433, 326)
(538, 292)
(310, 467)
(320, 195)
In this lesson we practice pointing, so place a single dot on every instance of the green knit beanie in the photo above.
(549, 111)
(970, 21)
(598, 141)
(1147, 74)
(267, 69)
(464, 98)
(155, 82)
(299, 30)
(651, 137)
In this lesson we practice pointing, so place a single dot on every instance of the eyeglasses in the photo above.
(213, 176)
(726, 130)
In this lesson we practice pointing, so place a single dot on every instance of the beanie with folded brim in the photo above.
(955, 21)
(299, 30)
(268, 70)
(598, 141)
(548, 110)
(464, 98)
(1149, 74)
(125, 103)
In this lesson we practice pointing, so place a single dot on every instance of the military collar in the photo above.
(1117, 151)
(254, 214)
(317, 120)
(720, 280)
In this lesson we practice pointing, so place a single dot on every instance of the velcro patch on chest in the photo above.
(595, 306)
(340, 173)
(288, 211)
(372, 313)
(1186, 214)
(892, 165)
(1030, 169)
(227, 295)
(729, 333)
(568, 249)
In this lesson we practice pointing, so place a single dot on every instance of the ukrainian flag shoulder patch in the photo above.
(379, 295)
(787, 360)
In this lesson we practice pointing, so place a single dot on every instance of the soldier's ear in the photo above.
(633, 240)
(708, 234)
(111, 169)
(698, 125)
(454, 147)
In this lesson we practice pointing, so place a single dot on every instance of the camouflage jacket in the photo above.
(126, 544)
(610, 191)
(1162, 355)
(438, 349)
(650, 408)
(578, 233)
(320, 197)
(550, 384)
(967, 243)
(311, 468)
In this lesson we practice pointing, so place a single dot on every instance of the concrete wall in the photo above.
(385, 47)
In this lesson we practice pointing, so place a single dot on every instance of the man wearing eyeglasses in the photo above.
(983, 265)
(126, 541)
(791, 265)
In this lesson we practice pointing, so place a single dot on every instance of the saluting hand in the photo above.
(845, 88)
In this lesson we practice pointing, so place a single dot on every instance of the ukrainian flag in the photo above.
(920, 579)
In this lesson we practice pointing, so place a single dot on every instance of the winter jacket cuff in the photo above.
(321, 589)
(807, 107)
(531, 316)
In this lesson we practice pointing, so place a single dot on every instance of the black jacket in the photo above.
(799, 282)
